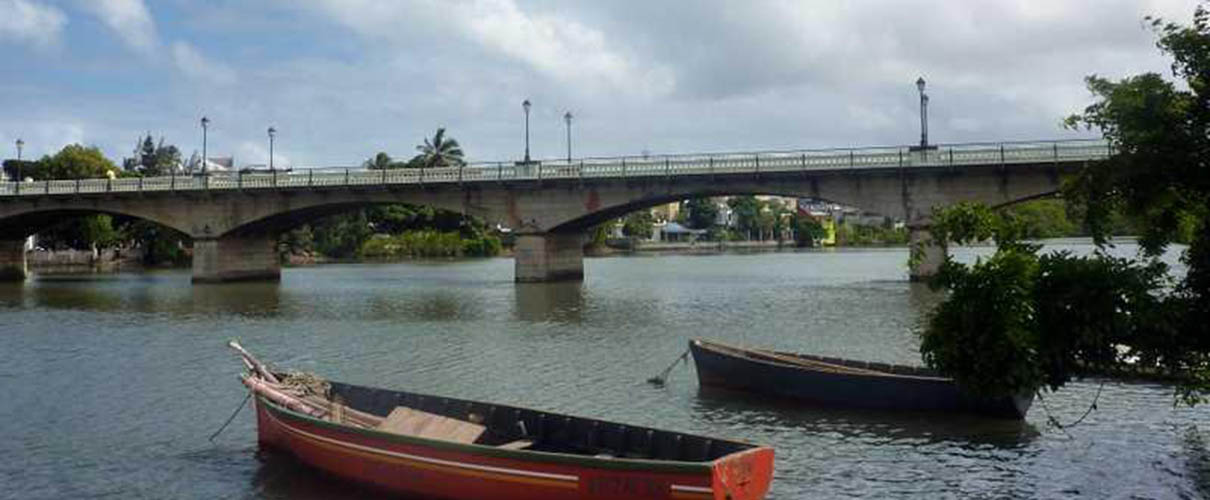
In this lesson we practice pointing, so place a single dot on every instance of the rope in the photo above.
(232, 417)
(307, 383)
(1052, 420)
(660, 379)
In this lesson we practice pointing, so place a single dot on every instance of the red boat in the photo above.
(440, 447)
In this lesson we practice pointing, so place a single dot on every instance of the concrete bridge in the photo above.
(235, 219)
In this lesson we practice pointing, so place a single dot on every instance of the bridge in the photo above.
(235, 218)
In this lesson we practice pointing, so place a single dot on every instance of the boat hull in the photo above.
(437, 469)
(720, 366)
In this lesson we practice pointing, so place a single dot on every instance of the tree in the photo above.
(152, 159)
(72, 162)
(638, 224)
(807, 230)
(703, 213)
(87, 232)
(746, 209)
(381, 161)
(1038, 320)
(441, 151)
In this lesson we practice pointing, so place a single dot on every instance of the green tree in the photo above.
(76, 162)
(1045, 219)
(381, 161)
(745, 209)
(161, 245)
(703, 212)
(638, 224)
(440, 151)
(80, 233)
(153, 159)
(807, 230)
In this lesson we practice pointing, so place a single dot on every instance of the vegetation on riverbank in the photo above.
(1019, 320)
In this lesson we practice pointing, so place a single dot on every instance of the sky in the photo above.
(342, 79)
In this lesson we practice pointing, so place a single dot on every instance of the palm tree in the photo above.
(380, 161)
(440, 151)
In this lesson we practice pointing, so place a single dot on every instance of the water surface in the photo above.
(112, 382)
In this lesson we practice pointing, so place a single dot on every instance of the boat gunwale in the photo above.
(618, 463)
(714, 347)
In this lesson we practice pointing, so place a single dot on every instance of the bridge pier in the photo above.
(926, 255)
(549, 257)
(12, 260)
(235, 258)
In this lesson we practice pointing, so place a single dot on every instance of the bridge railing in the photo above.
(680, 165)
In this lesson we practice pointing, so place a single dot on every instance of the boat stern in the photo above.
(743, 476)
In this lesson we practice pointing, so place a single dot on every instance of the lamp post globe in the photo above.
(525, 105)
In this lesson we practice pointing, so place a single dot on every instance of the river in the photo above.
(112, 383)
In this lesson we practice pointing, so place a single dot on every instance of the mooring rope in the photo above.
(232, 417)
(1052, 420)
(660, 379)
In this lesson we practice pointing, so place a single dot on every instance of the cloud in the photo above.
(257, 154)
(130, 19)
(31, 22)
(554, 45)
(194, 64)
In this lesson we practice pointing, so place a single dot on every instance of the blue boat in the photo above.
(825, 381)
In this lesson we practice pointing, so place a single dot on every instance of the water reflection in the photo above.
(870, 426)
(561, 302)
(247, 299)
(280, 475)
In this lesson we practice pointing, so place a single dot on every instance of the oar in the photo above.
(256, 365)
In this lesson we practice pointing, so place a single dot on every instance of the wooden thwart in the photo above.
(411, 422)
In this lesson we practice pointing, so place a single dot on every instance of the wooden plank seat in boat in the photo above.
(412, 422)
(519, 444)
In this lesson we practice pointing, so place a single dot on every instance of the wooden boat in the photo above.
(840, 382)
(440, 447)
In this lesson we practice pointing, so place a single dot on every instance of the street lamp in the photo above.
(567, 120)
(20, 144)
(525, 105)
(924, 115)
(205, 123)
(272, 132)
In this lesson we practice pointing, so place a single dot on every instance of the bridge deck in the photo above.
(945, 156)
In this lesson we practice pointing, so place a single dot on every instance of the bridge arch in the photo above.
(21, 223)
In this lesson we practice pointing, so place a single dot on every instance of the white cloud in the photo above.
(31, 22)
(130, 19)
(257, 154)
(556, 46)
(194, 64)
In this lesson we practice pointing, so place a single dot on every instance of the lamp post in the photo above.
(924, 115)
(272, 132)
(20, 144)
(205, 123)
(525, 105)
(567, 120)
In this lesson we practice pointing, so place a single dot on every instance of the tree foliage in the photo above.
(808, 231)
(639, 224)
(153, 159)
(1031, 321)
(702, 213)
(440, 151)
(72, 162)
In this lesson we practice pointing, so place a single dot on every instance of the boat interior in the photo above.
(520, 428)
